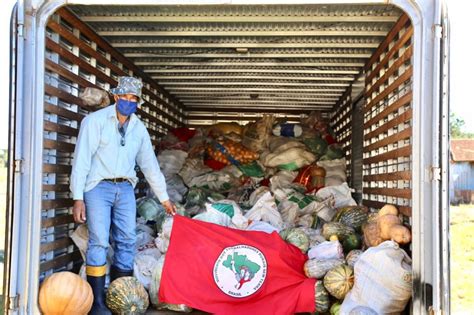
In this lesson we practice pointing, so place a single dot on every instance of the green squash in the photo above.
(315, 268)
(335, 308)
(351, 241)
(353, 256)
(353, 217)
(321, 297)
(298, 238)
(339, 281)
(336, 228)
(127, 295)
(155, 287)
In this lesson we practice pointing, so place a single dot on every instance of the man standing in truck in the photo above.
(111, 142)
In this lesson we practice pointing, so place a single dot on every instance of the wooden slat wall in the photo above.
(387, 121)
(77, 58)
(341, 123)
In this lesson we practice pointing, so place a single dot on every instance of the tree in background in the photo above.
(456, 125)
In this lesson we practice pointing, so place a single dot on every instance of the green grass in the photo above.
(462, 259)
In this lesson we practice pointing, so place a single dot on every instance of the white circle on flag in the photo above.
(240, 270)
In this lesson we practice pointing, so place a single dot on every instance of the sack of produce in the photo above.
(95, 97)
(383, 280)
(252, 169)
(335, 171)
(317, 145)
(225, 213)
(288, 130)
(265, 209)
(280, 144)
(192, 168)
(257, 133)
(333, 152)
(290, 160)
(282, 180)
(150, 209)
(230, 152)
(171, 161)
(224, 128)
(341, 194)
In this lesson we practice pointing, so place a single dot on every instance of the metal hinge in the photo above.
(438, 30)
(432, 311)
(13, 302)
(19, 166)
(435, 173)
(20, 30)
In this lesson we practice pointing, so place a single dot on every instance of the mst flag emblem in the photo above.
(227, 271)
(240, 270)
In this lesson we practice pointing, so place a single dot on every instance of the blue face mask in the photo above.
(125, 107)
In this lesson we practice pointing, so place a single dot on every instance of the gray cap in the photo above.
(129, 85)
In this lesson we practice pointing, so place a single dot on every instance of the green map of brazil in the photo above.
(242, 267)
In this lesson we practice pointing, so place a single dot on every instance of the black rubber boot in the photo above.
(116, 273)
(98, 285)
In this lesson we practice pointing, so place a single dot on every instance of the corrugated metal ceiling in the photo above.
(259, 56)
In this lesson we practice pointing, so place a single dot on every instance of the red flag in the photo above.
(227, 271)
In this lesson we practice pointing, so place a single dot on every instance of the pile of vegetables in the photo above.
(354, 229)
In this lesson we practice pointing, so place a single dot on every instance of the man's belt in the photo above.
(116, 180)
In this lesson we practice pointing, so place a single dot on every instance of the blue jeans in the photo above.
(111, 207)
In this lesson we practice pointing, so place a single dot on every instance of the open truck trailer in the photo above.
(377, 70)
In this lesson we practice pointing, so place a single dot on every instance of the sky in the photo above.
(462, 63)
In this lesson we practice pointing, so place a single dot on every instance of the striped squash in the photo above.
(127, 295)
(321, 297)
(315, 268)
(339, 281)
(336, 228)
(298, 238)
(353, 256)
(353, 217)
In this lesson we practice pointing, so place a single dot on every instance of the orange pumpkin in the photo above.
(65, 293)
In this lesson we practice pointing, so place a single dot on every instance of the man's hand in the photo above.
(169, 207)
(79, 211)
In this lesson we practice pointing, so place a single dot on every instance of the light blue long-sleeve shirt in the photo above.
(100, 155)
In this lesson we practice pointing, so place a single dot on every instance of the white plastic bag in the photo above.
(262, 227)
(265, 209)
(335, 171)
(282, 180)
(326, 250)
(341, 193)
(193, 168)
(213, 216)
(171, 161)
(144, 264)
(257, 194)
(383, 280)
(231, 210)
